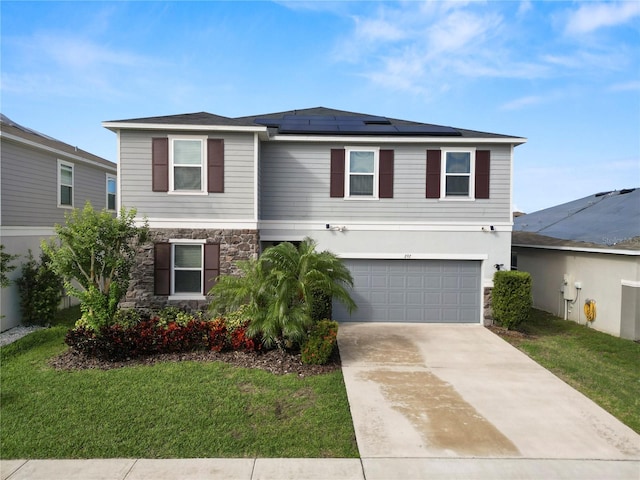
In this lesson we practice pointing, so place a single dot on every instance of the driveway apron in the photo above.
(460, 391)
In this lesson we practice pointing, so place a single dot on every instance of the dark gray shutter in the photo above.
(386, 174)
(483, 161)
(160, 164)
(433, 173)
(215, 165)
(337, 172)
(211, 265)
(162, 268)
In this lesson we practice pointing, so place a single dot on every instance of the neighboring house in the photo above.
(588, 249)
(420, 213)
(41, 180)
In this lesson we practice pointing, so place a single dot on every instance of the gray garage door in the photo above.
(435, 291)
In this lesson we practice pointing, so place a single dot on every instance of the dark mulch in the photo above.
(277, 362)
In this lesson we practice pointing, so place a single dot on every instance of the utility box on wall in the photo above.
(568, 287)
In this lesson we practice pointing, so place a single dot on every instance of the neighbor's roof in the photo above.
(606, 219)
(12, 130)
(315, 121)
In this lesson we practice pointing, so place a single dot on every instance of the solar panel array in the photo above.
(351, 125)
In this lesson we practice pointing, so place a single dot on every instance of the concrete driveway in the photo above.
(426, 391)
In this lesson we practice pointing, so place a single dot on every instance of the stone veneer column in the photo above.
(234, 245)
(488, 309)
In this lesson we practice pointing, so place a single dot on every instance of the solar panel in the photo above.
(296, 128)
(427, 130)
(351, 124)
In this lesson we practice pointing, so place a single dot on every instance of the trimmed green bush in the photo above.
(320, 344)
(511, 298)
(40, 291)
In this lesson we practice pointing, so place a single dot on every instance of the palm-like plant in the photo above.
(279, 289)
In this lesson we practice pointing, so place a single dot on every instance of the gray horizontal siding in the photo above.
(30, 186)
(235, 203)
(295, 186)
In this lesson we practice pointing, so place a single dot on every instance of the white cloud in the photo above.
(593, 16)
(519, 103)
(625, 86)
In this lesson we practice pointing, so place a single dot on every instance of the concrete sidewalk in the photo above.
(318, 469)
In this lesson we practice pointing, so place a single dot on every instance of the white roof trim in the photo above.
(60, 153)
(115, 126)
(612, 251)
(369, 139)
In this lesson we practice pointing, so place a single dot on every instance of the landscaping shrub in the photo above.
(320, 344)
(127, 317)
(40, 291)
(511, 298)
(154, 336)
(321, 304)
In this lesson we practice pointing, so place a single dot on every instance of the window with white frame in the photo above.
(362, 172)
(458, 172)
(187, 165)
(65, 184)
(187, 269)
(111, 192)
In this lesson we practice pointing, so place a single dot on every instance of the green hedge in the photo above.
(511, 298)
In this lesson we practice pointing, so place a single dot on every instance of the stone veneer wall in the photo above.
(488, 309)
(234, 245)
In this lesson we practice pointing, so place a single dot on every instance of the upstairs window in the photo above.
(361, 174)
(187, 158)
(65, 184)
(111, 192)
(457, 174)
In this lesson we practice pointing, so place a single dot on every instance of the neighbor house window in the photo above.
(457, 174)
(65, 184)
(362, 171)
(187, 159)
(187, 268)
(111, 192)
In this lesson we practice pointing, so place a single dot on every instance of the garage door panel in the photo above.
(438, 291)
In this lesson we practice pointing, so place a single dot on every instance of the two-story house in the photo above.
(41, 179)
(420, 213)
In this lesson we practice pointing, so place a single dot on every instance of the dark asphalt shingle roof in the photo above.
(8, 126)
(409, 127)
(603, 219)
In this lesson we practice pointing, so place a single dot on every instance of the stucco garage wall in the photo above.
(600, 275)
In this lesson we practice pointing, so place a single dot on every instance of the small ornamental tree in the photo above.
(511, 297)
(95, 255)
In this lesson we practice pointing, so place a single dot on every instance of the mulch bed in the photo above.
(277, 362)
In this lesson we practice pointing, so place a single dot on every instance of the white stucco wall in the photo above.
(600, 275)
(18, 241)
(360, 241)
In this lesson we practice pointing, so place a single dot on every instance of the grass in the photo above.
(170, 410)
(603, 367)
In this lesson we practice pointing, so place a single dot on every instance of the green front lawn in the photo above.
(603, 367)
(170, 410)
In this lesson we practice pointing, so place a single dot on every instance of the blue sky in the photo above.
(566, 75)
